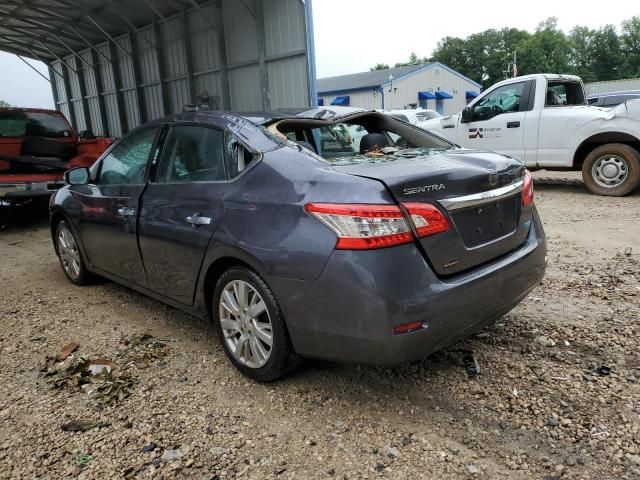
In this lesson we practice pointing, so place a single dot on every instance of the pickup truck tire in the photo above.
(612, 169)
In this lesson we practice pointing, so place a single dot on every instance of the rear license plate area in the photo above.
(486, 223)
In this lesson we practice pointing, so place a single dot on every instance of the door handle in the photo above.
(515, 124)
(126, 211)
(197, 219)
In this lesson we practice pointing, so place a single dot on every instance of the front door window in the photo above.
(127, 162)
(503, 99)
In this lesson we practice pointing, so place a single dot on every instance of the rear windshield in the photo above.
(40, 124)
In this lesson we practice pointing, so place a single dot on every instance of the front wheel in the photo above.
(251, 326)
(70, 256)
(612, 169)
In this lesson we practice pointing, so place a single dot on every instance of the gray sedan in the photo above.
(296, 242)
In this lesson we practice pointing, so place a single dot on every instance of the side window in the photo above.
(127, 162)
(192, 154)
(239, 157)
(503, 99)
(564, 93)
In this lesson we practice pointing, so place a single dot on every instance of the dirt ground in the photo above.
(542, 407)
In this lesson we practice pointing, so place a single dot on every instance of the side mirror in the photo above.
(467, 115)
(77, 176)
(86, 135)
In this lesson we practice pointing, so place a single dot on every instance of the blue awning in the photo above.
(320, 102)
(471, 94)
(342, 101)
(426, 96)
(442, 95)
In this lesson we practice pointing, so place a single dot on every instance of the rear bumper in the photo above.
(349, 312)
(22, 191)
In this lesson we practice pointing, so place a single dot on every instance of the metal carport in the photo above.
(115, 64)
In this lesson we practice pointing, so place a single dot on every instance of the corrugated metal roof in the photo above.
(115, 64)
(355, 81)
(47, 29)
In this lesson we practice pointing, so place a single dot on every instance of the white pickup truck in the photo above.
(544, 120)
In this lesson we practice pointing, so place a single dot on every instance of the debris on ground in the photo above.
(471, 363)
(83, 425)
(544, 341)
(603, 370)
(82, 460)
(171, 455)
(99, 377)
(67, 350)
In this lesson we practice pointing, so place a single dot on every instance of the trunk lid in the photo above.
(479, 192)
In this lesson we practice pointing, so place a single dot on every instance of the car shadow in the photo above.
(31, 216)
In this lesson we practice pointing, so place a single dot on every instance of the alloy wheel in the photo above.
(246, 324)
(69, 253)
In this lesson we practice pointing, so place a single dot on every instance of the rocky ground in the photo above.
(558, 395)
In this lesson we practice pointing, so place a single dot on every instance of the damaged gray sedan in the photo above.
(329, 233)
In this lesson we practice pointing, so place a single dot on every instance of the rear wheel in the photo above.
(612, 169)
(70, 256)
(251, 326)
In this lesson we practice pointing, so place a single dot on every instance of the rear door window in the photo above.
(192, 154)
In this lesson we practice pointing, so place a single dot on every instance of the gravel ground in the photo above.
(542, 407)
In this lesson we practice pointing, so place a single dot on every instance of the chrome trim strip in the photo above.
(477, 199)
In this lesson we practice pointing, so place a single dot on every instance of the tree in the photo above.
(630, 42)
(547, 50)
(607, 58)
(413, 60)
(451, 52)
(379, 66)
(4, 104)
(581, 43)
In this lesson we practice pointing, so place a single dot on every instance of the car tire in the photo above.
(70, 256)
(612, 169)
(247, 316)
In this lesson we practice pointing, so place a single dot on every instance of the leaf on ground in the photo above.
(83, 425)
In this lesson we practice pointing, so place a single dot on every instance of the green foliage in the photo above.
(413, 60)
(595, 55)
(379, 66)
(4, 104)
(630, 42)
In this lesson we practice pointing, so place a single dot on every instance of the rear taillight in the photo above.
(365, 226)
(527, 188)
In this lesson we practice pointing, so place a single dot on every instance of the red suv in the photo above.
(36, 147)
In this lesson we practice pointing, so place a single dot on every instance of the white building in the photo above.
(432, 85)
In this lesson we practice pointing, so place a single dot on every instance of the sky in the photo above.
(353, 35)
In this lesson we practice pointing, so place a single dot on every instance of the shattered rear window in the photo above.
(392, 154)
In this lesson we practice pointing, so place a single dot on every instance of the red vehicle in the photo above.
(36, 147)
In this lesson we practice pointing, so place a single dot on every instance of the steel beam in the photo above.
(262, 54)
(57, 57)
(136, 80)
(117, 83)
(225, 91)
(97, 75)
(34, 68)
(188, 56)
(162, 73)
(108, 35)
(83, 98)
